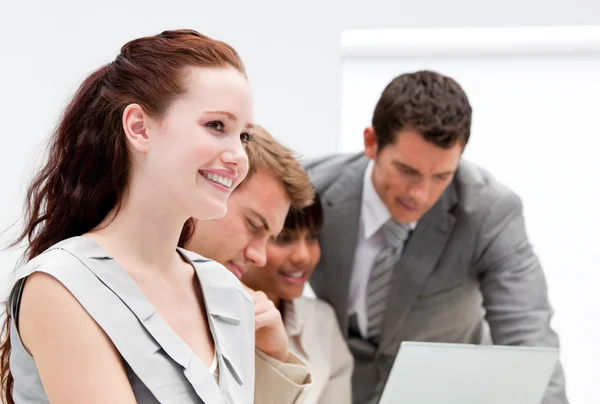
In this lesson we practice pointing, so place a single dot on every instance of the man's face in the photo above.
(256, 212)
(411, 174)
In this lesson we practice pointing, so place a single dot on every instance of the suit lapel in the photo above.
(341, 212)
(418, 260)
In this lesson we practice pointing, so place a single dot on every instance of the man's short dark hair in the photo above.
(433, 105)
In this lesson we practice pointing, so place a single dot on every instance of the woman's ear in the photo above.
(135, 122)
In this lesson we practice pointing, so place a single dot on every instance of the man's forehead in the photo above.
(271, 219)
(427, 167)
(264, 195)
(431, 160)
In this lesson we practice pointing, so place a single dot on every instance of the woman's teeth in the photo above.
(226, 182)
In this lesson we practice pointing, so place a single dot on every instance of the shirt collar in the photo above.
(374, 213)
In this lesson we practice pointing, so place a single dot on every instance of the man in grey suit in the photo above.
(419, 244)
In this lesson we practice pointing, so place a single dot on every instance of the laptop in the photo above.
(442, 373)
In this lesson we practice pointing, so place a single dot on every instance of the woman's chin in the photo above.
(291, 292)
(211, 211)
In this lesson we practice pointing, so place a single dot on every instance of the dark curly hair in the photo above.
(309, 217)
(433, 105)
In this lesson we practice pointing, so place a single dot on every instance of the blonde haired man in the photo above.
(256, 212)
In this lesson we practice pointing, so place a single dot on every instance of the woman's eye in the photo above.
(216, 125)
(246, 137)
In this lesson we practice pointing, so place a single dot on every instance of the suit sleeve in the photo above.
(311, 163)
(280, 382)
(514, 287)
(338, 389)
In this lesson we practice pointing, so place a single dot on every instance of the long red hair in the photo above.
(87, 168)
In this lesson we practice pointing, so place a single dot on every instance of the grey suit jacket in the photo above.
(468, 273)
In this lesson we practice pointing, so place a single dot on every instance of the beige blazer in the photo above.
(315, 336)
(281, 383)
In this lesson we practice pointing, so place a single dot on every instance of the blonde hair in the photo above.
(266, 153)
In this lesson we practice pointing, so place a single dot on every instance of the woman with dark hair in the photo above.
(107, 309)
(311, 324)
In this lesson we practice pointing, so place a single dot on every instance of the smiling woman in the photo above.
(107, 308)
(311, 324)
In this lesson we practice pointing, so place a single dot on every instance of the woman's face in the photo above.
(195, 153)
(291, 258)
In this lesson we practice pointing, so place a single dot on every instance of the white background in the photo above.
(535, 127)
(292, 54)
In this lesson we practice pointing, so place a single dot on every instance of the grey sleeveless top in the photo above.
(161, 367)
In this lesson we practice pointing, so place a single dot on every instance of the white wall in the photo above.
(534, 94)
(291, 50)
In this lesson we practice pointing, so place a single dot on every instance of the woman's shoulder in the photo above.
(315, 307)
(65, 254)
(49, 268)
(51, 327)
(42, 304)
(61, 257)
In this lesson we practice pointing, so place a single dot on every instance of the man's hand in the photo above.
(271, 337)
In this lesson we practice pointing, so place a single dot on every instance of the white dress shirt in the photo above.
(369, 242)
